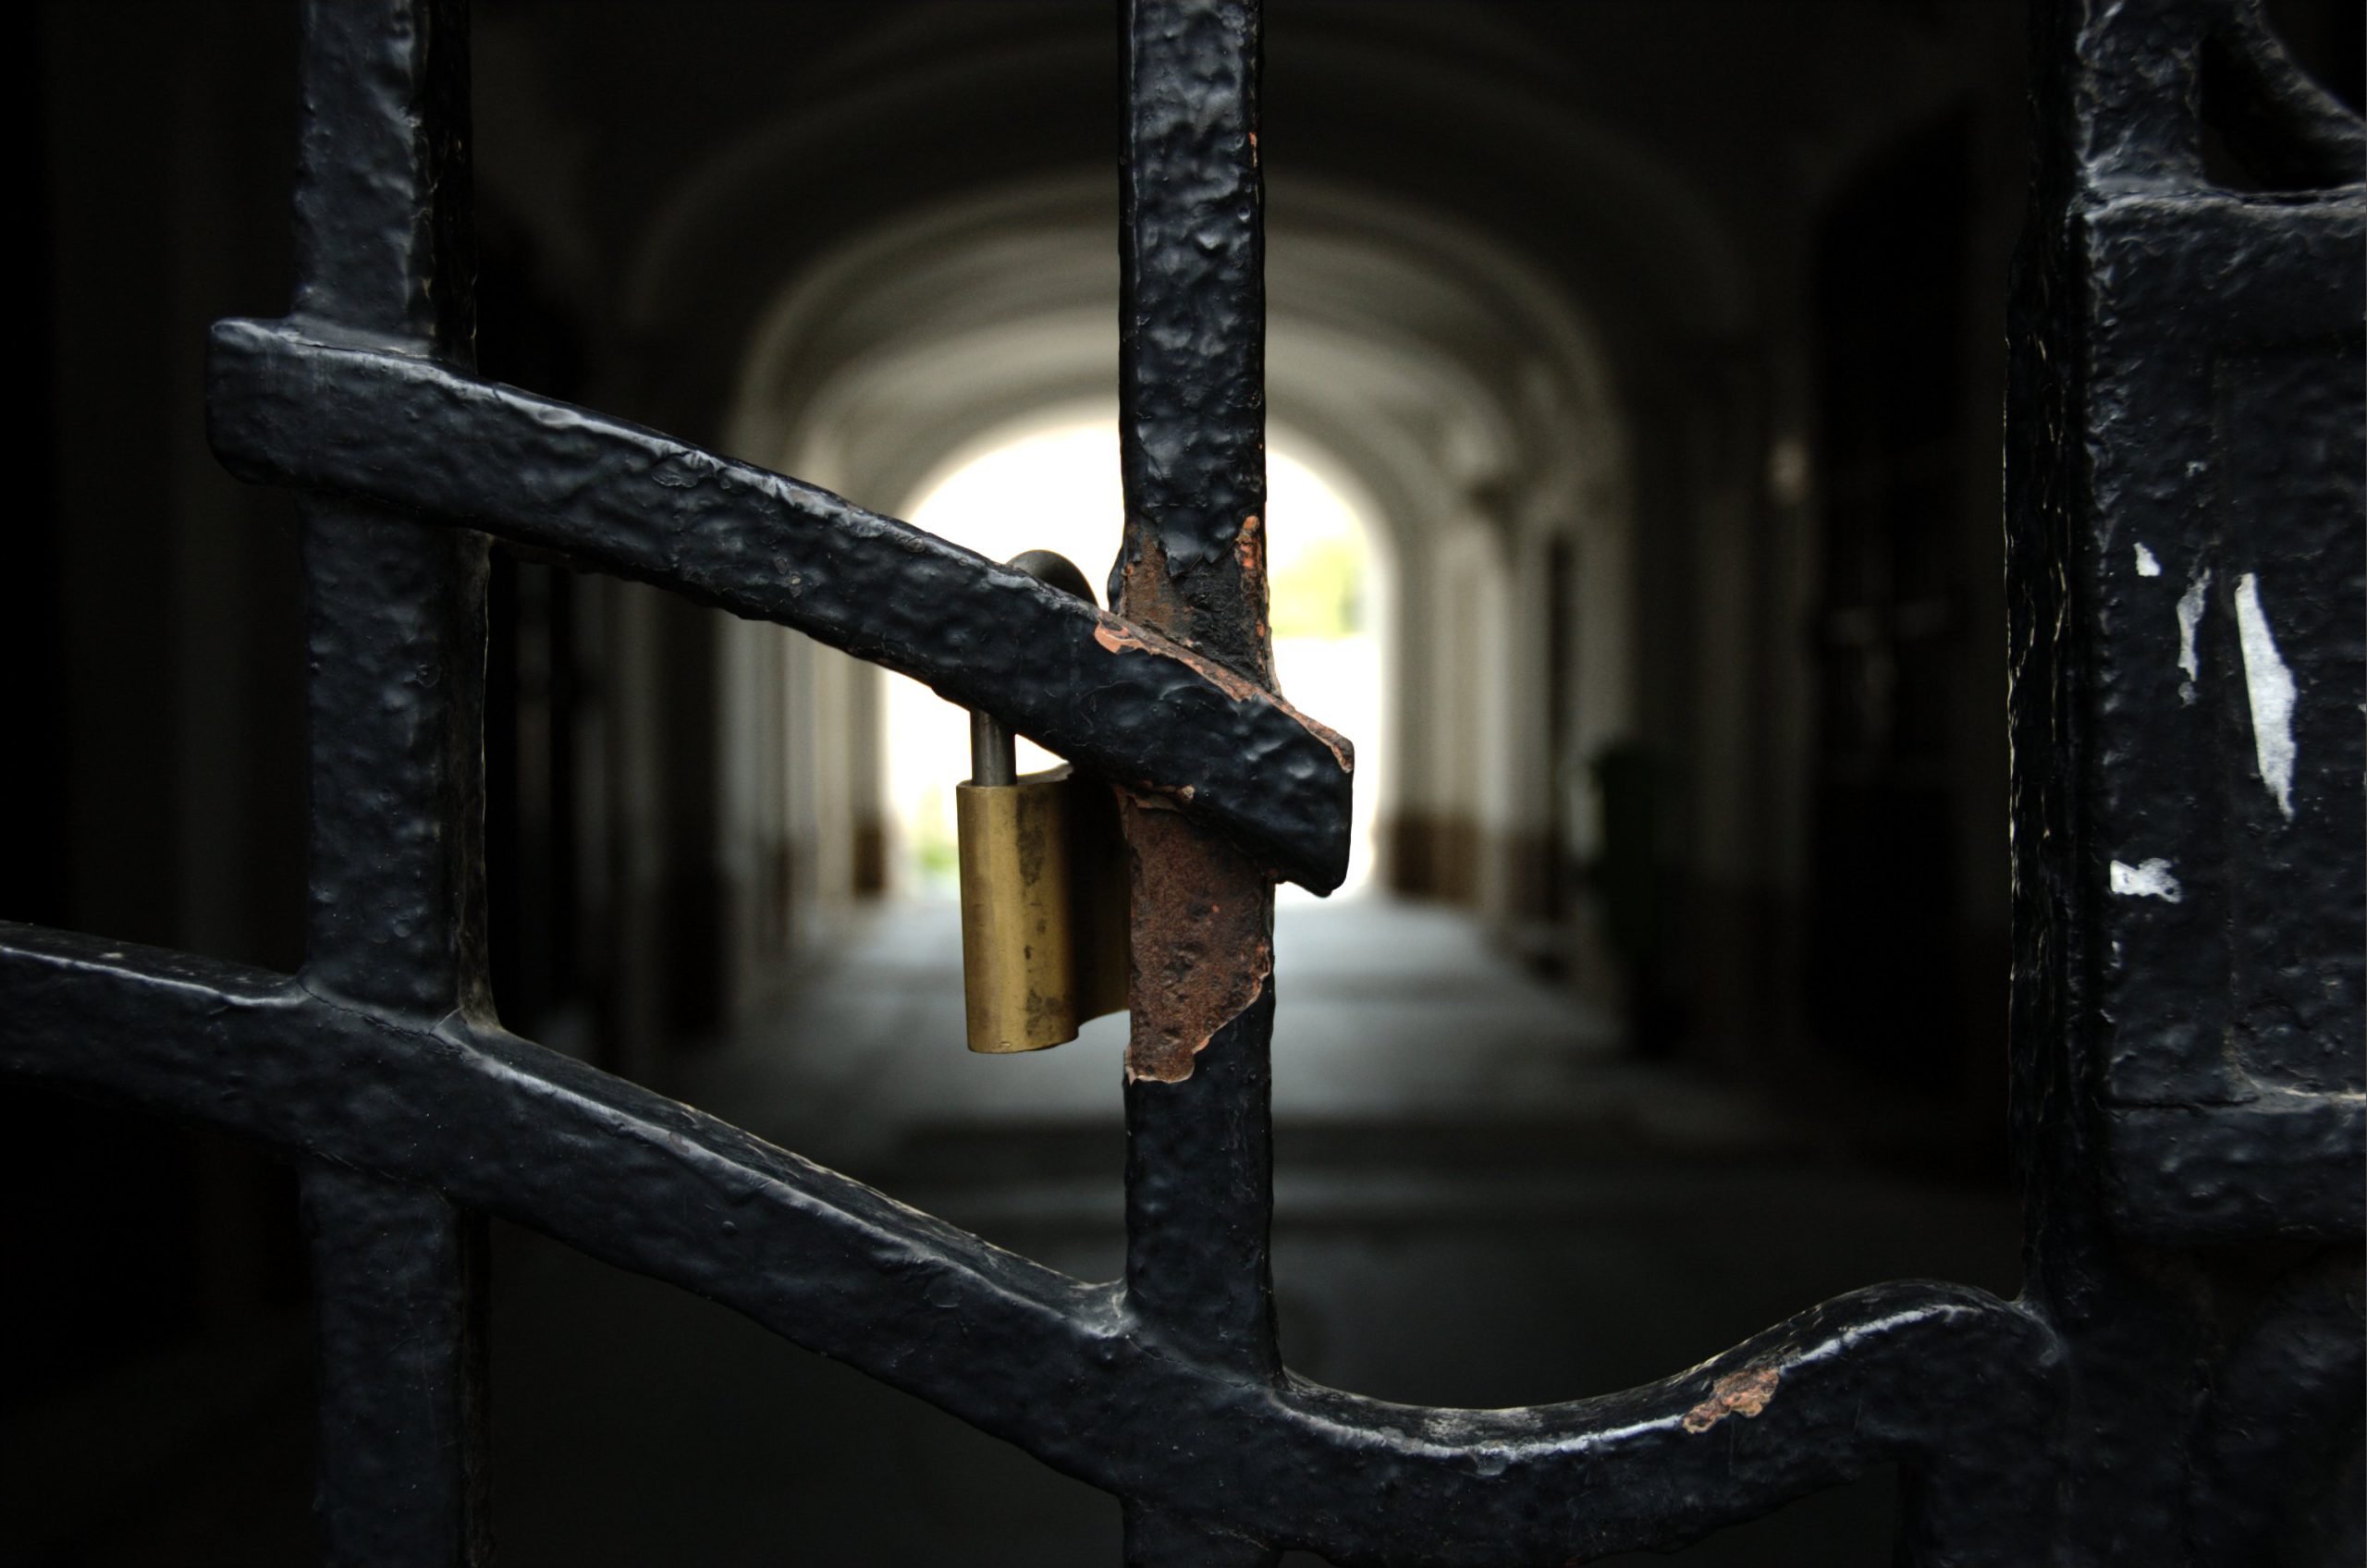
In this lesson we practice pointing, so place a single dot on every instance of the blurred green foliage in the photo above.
(1320, 593)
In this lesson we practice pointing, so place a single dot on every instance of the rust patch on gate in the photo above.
(1743, 1394)
(1203, 938)
(1122, 637)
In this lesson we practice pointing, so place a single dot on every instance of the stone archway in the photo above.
(1473, 351)
(1450, 384)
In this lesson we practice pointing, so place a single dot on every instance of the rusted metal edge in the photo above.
(1192, 334)
(1203, 945)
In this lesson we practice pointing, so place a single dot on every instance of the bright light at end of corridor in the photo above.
(1056, 488)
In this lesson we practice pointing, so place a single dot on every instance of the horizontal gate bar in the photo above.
(1955, 1385)
(1129, 703)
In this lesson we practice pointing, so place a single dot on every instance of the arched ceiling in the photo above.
(922, 107)
(1435, 365)
(1650, 172)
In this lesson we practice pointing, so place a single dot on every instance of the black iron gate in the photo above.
(2180, 1383)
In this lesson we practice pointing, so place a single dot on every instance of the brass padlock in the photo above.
(1044, 884)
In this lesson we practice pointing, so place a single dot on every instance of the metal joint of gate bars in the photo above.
(381, 1069)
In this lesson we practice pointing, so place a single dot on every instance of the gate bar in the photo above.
(1958, 1388)
(1191, 326)
(391, 428)
(395, 679)
(382, 1063)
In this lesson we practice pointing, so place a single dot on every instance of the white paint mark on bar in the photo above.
(2146, 565)
(2149, 879)
(2270, 686)
(2190, 618)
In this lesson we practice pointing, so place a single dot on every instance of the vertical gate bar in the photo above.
(2184, 578)
(1199, 1161)
(395, 655)
(398, 1322)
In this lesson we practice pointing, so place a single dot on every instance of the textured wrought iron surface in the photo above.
(1192, 426)
(395, 639)
(2179, 1386)
(2206, 531)
(299, 403)
(1947, 1380)
(2184, 571)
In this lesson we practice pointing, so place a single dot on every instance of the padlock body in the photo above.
(1036, 877)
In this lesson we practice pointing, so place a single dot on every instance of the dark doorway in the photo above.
(1884, 991)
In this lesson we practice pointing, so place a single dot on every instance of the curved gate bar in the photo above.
(1138, 707)
(1948, 1381)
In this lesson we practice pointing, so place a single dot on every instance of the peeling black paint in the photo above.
(2185, 415)
(1191, 373)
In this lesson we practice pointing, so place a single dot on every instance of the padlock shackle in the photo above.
(1054, 570)
(994, 756)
